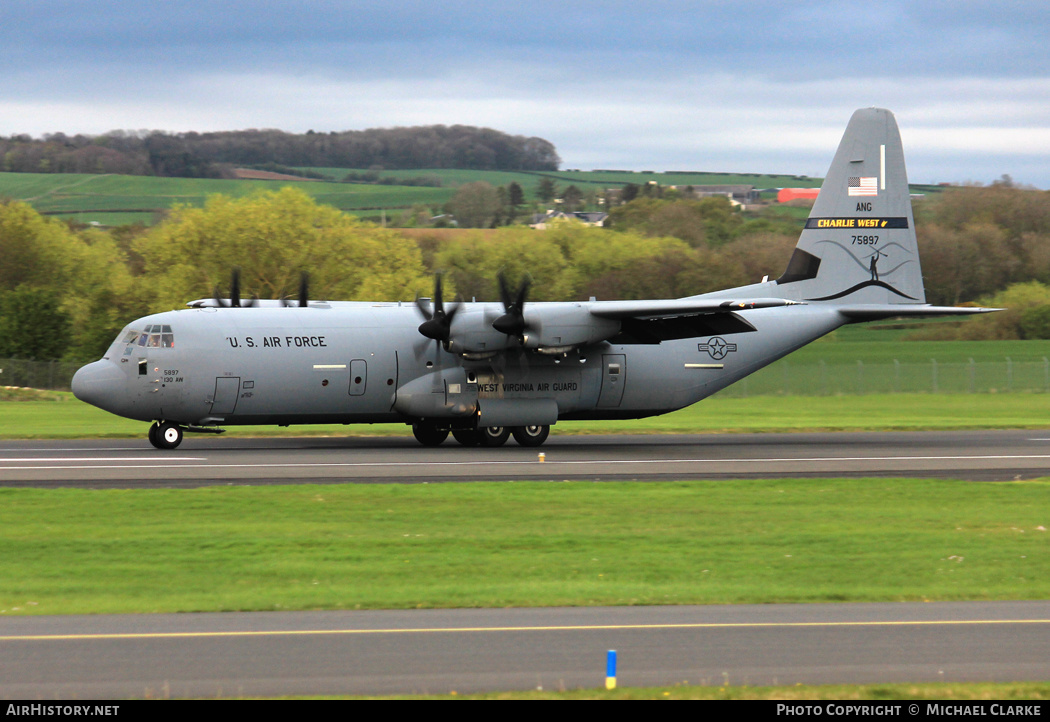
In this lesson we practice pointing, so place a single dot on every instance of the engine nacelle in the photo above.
(567, 326)
(564, 326)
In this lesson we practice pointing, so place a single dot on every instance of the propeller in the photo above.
(512, 322)
(235, 293)
(304, 293)
(438, 323)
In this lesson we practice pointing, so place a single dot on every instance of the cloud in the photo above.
(661, 85)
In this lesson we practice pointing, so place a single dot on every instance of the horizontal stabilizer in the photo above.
(874, 311)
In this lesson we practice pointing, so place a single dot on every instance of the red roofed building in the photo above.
(786, 195)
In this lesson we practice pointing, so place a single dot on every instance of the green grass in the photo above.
(839, 692)
(97, 198)
(887, 340)
(65, 551)
(60, 416)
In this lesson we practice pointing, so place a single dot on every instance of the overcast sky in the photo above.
(642, 85)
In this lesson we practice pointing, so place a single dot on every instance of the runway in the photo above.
(471, 650)
(438, 651)
(201, 461)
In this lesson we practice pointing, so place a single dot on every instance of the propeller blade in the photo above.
(424, 309)
(504, 291)
(304, 290)
(512, 322)
(235, 288)
(438, 323)
(523, 293)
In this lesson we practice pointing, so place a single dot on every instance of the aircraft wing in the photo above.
(666, 320)
(680, 307)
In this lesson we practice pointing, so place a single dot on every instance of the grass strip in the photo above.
(948, 692)
(60, 416)
(66, 551)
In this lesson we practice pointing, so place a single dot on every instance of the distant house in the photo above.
(539, 221)
(739, 194)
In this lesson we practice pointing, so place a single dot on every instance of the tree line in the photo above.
(66, 290)
(214, 155)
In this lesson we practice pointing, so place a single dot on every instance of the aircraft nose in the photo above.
(100, 384)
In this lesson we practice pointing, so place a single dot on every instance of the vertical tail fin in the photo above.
(858, 246)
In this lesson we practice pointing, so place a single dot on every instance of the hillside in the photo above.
(111, 200)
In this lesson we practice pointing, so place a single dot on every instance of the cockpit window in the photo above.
(154, 336)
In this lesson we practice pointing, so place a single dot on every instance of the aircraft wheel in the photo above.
(165, 435)
(531, 435)
(467, 437)
(429, 435)
(493, 435)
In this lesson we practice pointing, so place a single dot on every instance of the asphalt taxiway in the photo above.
(200, 461)
(470, 650)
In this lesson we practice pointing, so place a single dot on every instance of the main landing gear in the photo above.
(165, 435)
(431, 435)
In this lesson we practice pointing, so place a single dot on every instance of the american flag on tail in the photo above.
(863, 186)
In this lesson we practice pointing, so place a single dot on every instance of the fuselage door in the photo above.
(358, 377)
(614, 375)
(227, 388)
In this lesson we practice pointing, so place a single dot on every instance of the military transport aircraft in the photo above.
(485, 371)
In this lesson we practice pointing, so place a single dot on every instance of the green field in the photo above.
(359, 546)
(96, 198)
(66, 418)
(120, 199)
(604, 178)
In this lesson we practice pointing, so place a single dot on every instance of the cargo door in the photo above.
(227, 388)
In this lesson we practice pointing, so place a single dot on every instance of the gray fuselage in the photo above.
(367, 363)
